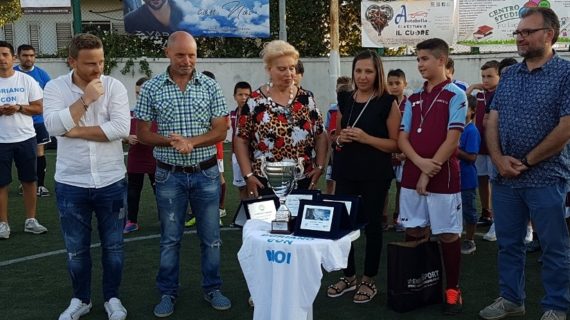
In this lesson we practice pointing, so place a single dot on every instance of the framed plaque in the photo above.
(322, 219)
(263, 208)
(353, 208)
(292, 201)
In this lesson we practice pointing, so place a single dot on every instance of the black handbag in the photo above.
(415, 275)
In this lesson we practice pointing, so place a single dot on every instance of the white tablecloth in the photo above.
(283, 272)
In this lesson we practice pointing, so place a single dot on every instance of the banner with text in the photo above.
(202, 18)
(492, 22)
(405, 23)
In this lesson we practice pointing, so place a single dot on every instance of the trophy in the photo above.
(282, 177)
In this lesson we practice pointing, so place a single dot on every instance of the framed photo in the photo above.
(263, 208)
(295, 196)
(322, 219)
(353, 208)
(318, 218)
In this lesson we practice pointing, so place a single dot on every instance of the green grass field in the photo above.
(39, 288)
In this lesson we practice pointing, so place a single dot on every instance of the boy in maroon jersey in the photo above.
(430, 197)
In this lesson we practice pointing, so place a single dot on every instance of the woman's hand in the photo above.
(356, 134)
(252, 186)
(314, 176)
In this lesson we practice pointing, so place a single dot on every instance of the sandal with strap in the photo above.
(341, 287)
(367, 295)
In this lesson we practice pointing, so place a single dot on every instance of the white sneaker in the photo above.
(33, 226)
(75, 310)
(490, 235)
(4, 230)
(528, 237)
(222, 213)
(115, 309)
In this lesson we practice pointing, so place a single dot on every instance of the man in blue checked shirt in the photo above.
(191, 114)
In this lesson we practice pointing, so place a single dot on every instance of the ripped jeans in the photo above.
(174, 190)
(76, 206)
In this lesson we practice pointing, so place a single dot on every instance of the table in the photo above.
(283, 272)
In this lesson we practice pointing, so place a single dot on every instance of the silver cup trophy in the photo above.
(282, 177)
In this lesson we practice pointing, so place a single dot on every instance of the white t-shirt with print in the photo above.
(19, 89)
(283, 272)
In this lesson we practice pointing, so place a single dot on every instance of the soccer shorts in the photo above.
(484, 165)
(328, 174)
(441, 212)
(398, 172)
(42, 135)
(238, 176)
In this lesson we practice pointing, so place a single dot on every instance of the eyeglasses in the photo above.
(527, 32)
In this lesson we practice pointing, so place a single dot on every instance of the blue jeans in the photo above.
(513, 208)
(76, 206)
(173, 192)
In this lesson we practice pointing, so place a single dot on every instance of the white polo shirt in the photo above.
(18, 89)
(83, 163)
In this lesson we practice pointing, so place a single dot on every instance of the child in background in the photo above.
(140, 161)
(468, 148)
(343, 84)
(490, 235)
(396, 85)
(430, 197)
(450, 72)
(486, 89)
(242, 91)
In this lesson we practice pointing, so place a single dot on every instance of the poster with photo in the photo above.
(201, 18)
(492, 22)
(405, 23)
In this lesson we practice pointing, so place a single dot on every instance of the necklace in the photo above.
(291, 96)
(422, 116)
(348, 125)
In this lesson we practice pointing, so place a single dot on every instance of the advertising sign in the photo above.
(405, 23)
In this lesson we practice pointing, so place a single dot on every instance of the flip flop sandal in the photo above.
(348, 286)
(368, 295)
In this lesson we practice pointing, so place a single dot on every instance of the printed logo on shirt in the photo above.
(10, 96)
(278, 256)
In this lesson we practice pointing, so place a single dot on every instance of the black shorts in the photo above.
(24, 155)
(42, 135)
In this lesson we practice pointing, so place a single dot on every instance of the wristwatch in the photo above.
(320, 167)
(20, 108)
(525, 162)
(247, 176)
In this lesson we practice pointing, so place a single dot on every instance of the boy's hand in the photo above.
(429, 167)
(421, 186)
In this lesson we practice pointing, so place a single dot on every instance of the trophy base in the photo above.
(281, 227)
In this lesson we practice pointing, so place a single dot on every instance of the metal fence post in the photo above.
(76, 9)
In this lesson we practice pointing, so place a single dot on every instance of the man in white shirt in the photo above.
(89, 113)
(20, 99)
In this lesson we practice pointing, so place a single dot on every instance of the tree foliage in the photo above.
(10, 11)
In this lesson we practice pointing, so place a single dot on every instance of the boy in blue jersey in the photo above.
(27, 57)
(469, 144)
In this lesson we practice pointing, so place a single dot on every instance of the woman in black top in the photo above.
(369, 119)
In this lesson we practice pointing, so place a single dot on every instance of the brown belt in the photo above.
(206, 164)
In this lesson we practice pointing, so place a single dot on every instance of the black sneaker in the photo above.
(485, 221)
(453, 302)
(533, 246)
